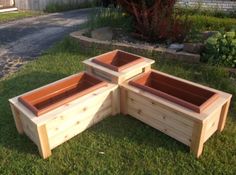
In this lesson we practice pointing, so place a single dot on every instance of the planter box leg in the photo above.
(198, 139)
(223, 115)
(43, 144)
(17, 119)
(115, 101)
(123, 101)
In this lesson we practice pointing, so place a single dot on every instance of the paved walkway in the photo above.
(26, 39)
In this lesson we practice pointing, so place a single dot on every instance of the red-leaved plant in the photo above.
(155, 20)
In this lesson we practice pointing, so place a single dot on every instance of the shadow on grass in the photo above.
(121, 128)
(10, 139)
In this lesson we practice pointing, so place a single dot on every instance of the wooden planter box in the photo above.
(186, 111)
(59, 111)
(117, 66)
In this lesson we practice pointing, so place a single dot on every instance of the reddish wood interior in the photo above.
(182, 93)
(117, 60)
(51, 97)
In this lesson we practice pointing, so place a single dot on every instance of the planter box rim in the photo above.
(115, 60)
(49, 98)
(146, 62)
(182, 93)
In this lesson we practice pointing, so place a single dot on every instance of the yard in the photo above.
(119, 144)
(5, 17)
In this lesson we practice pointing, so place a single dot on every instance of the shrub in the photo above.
(70, 5)
(220, 49)
(198, 10)
(156, 20)
(203, 23)
(112, 17)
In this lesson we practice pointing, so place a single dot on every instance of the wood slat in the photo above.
(77, 114)
(175, 115)
(160, 126)
(78, 128)
(158, 116)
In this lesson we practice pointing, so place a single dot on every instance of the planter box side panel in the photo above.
(102, 74)
(212, 123)
(116, 79)
(167, 121)
(77, 119)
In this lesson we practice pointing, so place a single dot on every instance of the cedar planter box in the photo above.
(49, 98)
(117, 66)
(186, 111)
(59, 111)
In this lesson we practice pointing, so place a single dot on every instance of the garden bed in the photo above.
(60, 123)
(88, 43)
(189, 112)
(155, 105)
(117, 66)
(58, 94)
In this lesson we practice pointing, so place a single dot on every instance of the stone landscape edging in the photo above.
(91, 43)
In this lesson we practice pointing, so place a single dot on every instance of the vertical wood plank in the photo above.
(123, 100)
(16, 115)
(197, 141)
(115, 100)
(223, 116)
(43, 143)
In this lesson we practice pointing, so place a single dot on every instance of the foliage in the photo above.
(156, 20)
(113, 17)
(204, 23)
(220, 49)
(59, 7)
(198, 10)
(128, 145)
(10, 16)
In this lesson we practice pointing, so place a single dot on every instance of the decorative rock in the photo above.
(177, 47)
(104, 34)
(193, 47)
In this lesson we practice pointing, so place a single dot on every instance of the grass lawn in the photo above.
(129, 146)
(5, 17)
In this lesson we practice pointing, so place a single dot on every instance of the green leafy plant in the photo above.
(113, 17)
(70, 5)
(203, 22)
(220, 49)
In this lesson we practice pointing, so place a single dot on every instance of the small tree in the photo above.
(155, 19)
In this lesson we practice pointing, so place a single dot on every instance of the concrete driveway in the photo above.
(26, 39)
